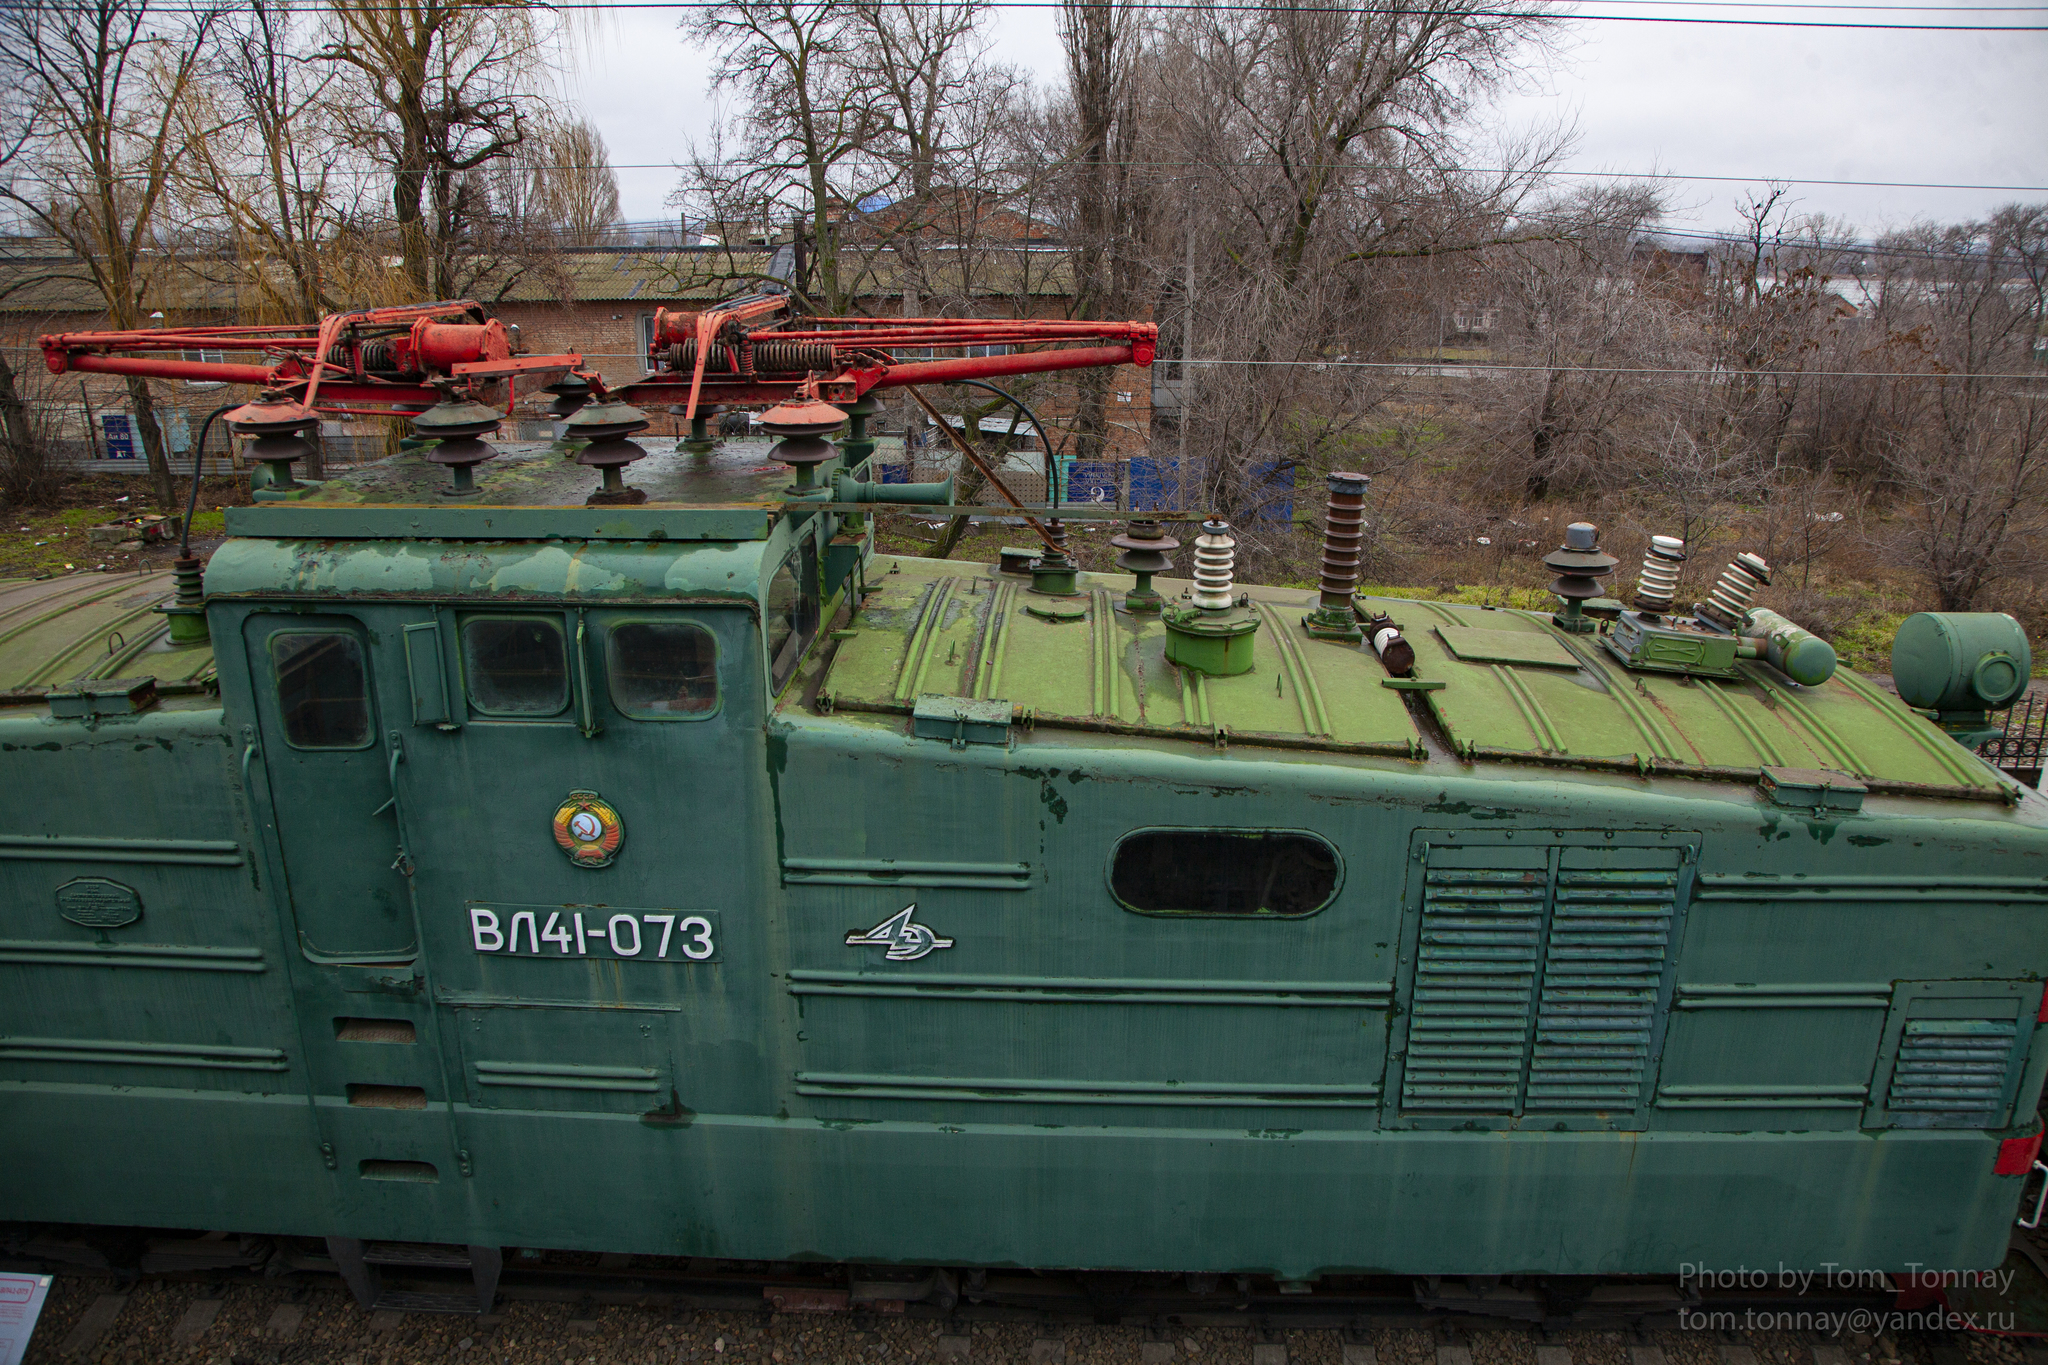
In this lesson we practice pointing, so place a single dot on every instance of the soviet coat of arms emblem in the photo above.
(589, 829)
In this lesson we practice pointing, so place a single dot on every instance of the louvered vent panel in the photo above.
(1609, 934)
(1475, 977)
(1951, 1073)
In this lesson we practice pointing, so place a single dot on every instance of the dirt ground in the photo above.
(199, 1324)
(39, 542)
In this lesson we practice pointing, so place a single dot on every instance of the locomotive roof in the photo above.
(90, 626)
(531, 492)
(1498, 684)
(1488, 684)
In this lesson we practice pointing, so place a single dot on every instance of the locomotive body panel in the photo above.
(741, 894)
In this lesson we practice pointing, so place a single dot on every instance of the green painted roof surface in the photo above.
(593, 572)
(934, 628)
(89, 625)
(1601, 712)
(534, 474)
(531, 492)
(1516, 689)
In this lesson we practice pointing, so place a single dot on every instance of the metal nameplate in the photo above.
(621, 933)
(99, 902)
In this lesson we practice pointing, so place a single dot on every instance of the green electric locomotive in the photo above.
(485, 864)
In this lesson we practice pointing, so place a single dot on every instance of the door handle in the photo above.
(248, 753)
(586, 713)
(402, 864)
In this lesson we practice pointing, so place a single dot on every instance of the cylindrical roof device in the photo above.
(1961, 660)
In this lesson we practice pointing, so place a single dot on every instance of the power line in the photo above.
(1250, 7)
(1417, 367)
(1226, 8)
(1564, 173)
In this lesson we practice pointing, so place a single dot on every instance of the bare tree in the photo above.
(441, 89)
(1574, 321)
(1102, 44)
(264, 160)
(572, 184)
(1973, 467)
(805, 128)
(106, 80)
(869, 126)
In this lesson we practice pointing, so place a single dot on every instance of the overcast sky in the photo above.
(1686, 99)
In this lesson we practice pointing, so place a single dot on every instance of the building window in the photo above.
(210, 358)
(645, 331)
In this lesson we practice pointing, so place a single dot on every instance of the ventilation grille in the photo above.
(387, 1096)
(1952, 1073)
(375, 1031)
(1609, 934)
(1482, 934)
(1536, 988)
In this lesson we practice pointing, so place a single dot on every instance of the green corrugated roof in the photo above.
(933, 627)
(1593, 710)
(1520, 691)
(89, 625)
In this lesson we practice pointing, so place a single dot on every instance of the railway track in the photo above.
(133, 1296)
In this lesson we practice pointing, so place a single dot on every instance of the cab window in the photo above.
(515, 666)
(792, 613)
(323, 694)
(662, 670)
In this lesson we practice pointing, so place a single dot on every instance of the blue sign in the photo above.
(1089, 480)
(120, 435)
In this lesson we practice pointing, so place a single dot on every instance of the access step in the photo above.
(362, 1264)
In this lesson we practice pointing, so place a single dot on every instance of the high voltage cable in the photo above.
(361, 172)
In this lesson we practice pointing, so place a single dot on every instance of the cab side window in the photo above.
(323, 693)
(515, 666)
(662, 670)
(792, 614)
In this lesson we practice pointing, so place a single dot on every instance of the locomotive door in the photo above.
(578, 822)
(330, 782)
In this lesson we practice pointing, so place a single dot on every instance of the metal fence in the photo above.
(1141, 483)
(2017, 750)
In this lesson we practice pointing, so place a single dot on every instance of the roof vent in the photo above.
(88, 700)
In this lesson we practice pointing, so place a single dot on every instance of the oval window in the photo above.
(1253, 872)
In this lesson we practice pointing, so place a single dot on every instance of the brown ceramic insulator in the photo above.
(1343, 539)
(1579, 563)
(1146, 548)
(571, 393)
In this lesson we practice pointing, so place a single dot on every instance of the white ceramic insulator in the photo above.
(1215, 569)
(1384, 637)
(1659, 579)
(1732, 594)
